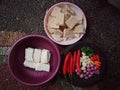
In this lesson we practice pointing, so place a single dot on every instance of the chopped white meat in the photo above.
(42, 67)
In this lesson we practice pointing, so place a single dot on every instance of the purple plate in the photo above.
(26, 75)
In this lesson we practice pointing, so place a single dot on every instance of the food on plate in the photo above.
(84, 62)
(65, 21)
(29, 64)
(66, 63)
(68, 34)
(37, 59)
(36, 55)
(78, 29)
(45, 56)
(52, 22)
(29, 54)
(71, 22)
(42, 67)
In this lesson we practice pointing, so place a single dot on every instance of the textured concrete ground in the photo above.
(22, 17)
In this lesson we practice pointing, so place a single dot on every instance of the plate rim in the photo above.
(45, 19)
(29, 36)
(101, 76)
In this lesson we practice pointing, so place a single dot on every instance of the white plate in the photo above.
(77, 10)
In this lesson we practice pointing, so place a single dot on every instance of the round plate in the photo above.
(76, 80)
(77, 10)
(26, 75)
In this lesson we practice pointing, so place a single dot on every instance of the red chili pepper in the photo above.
(68, 65)
(66, 61)
(78, 62)
(71, 65)
(74, 60)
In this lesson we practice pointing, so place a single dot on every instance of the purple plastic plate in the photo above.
(26, 75)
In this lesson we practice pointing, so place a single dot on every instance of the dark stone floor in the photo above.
(103, 29)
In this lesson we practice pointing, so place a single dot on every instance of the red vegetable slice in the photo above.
(97, 57)
(74, 60)
(71, 65)
(66, 65)
(78, 62)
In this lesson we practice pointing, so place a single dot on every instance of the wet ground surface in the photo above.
(22, 17)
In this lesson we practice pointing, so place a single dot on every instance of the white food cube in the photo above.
(60, 18)
(68, 34)
(58, 32)
(72, 21)
(56, 37)
(51, 30)
(66, 15)
(37, 55)
(53, 22)
(29, 64)
(45, 56)
(79, 29)
(29, 54)
(80, 18)
(69, 9)
(55, 11)
(42, 67)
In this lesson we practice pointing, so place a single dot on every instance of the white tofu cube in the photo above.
(56, 37)
(79, 29)
(29, 54)
(60, 18)
(71, 22)
(55, 11)
(37, 55)
(68, 34)
(29, 64)
(58, 32)
(80, 18)
(66, 15)
(51, 30)
(45, 56)
(53, 22)
(42, 67)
